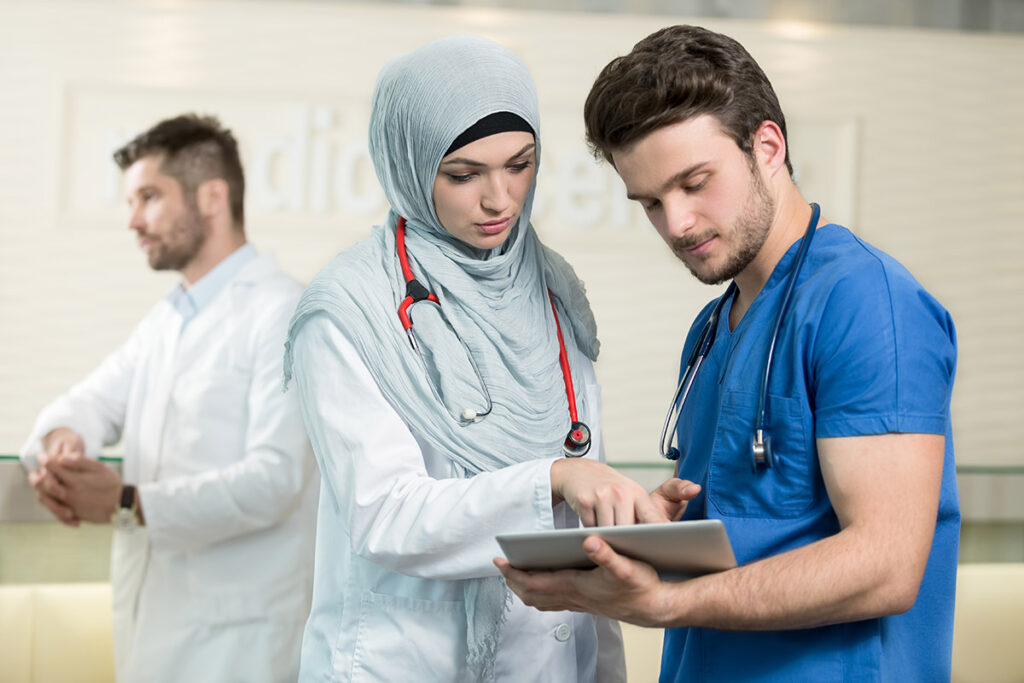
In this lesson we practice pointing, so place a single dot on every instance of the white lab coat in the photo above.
(397, 533)
(217, 585)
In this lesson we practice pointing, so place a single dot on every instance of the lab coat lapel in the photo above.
(153, 420)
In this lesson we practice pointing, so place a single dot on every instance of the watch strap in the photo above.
(128, 497)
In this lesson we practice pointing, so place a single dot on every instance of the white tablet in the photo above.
(676, 549)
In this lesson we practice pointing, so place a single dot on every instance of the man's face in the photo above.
(702, 194)
(169, 228)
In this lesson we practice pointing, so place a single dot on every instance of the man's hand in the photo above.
(49, 489)
(91, 488)
(603, 497)
(673, 496)
(61, 442)
(51, 494)
(619, 588)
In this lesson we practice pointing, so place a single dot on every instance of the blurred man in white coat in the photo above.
(214, 508)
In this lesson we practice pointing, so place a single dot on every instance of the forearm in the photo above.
(77, 414)
(392, 508)
(833, 580)
(94, 407)
(194, 511)
(445, 528)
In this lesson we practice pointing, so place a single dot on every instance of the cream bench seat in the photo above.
(56, 632)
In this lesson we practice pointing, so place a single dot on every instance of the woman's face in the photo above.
(480, 188)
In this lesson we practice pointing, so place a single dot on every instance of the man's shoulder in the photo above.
(846, 260)
(857, 287)
(262, 286)
(264, 272)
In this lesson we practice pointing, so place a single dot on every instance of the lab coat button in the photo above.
(562, 633)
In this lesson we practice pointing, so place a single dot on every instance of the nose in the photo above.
(496, 195)
(136, 219)
(679, 217)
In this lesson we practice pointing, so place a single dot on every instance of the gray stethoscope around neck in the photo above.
(761, 443)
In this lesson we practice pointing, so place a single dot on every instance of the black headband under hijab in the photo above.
(498, 122)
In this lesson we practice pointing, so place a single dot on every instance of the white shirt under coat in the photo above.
(216, 586)
(398, 533)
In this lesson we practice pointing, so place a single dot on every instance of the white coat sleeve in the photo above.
(95, 407)
(395, 514)
(263, 487)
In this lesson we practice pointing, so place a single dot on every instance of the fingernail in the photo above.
(591, 545)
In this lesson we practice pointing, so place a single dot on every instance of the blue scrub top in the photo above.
(863, 349)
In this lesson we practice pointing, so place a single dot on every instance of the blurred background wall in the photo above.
(906, 123)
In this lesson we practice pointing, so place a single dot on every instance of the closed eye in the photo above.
(520, 167)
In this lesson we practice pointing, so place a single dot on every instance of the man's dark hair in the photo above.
(673, 75)
(195, 149)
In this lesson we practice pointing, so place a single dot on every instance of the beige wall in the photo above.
(915, 138)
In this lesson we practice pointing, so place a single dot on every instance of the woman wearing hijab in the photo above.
(440, 426)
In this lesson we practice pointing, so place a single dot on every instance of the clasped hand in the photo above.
(73, 487)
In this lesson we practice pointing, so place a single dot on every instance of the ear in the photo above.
(212, 198)
(770, 147)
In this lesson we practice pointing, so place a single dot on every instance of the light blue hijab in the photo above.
(496, 301)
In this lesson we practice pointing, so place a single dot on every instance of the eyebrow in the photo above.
(471, 162)
(673, 181)
(140, 189)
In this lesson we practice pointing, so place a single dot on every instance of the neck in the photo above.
(215, 249)
(789, 224)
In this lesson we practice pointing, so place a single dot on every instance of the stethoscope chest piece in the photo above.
(761, 451)
(577, 441)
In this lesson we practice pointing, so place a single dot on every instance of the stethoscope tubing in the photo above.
(578, 440)
(798, 262)
(760, 444)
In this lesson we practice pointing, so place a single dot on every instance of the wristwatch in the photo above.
(124, 517)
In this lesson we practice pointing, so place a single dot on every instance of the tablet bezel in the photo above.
(676, 549)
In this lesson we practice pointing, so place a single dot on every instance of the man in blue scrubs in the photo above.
(848, 543)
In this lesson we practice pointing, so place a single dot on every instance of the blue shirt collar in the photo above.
(190, 301)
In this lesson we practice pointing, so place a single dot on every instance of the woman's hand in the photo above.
(603, 497)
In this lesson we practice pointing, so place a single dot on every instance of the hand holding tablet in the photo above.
(676, 550)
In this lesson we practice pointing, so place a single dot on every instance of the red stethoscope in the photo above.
(577, 441)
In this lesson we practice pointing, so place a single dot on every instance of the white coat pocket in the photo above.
(405, 639)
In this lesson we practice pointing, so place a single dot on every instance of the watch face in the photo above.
(124, 519)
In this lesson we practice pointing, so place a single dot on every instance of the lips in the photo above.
(494, 227)
(694, 246)
(700, 248)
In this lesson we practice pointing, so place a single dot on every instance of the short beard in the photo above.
(750, 230)
(179, 246)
